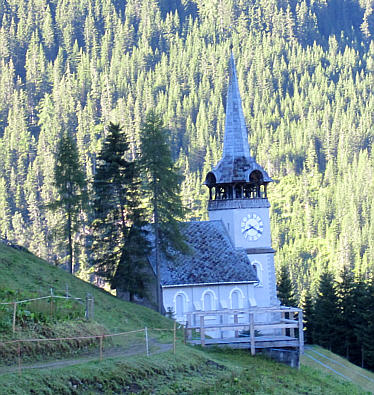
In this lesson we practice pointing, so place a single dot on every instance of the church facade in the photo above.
(231, 264)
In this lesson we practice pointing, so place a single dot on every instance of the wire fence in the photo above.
(47, 352)
(77, 307)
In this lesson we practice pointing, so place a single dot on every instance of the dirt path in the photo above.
(156, 348)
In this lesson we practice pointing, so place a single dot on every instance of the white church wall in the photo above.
(265, 291)
(182, 300)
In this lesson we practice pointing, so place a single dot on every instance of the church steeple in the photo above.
(236, 137)
(237, 175)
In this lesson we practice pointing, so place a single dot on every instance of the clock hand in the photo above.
(257, 230)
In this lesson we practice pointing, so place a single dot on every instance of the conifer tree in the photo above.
(120, 244)
(161, 183)
(70, 182)
(307, 305)
(326, 313)
(347, 306)
(285, 289)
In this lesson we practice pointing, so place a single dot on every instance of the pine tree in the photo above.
(285, 288)
(307, 305)
(345, 292)
(71, 187)
(120, 243)
(326, 313)
(161, 182)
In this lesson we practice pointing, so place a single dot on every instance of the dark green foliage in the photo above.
(348, 311)
(120, 243)
(364, 324)
(70, 183)
(162, 188)
(307, 305)
(327, 318)
(285, 289)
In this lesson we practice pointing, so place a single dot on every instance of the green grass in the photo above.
(357, 375)
(189, 371)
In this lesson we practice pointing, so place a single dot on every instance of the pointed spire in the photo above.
(236, 137)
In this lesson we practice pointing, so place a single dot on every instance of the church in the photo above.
(231, 264)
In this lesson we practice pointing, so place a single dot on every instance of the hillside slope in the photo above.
(190, 370)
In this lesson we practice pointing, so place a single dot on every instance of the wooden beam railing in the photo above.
(245, 320)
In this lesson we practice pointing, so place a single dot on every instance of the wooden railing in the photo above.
(277, 321)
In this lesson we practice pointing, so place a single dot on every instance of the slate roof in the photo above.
(236, 163)
(213, 258)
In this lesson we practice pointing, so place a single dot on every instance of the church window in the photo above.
(235, 300)
(258, 269)
(236, 297)
(180, 305)
(208, 301)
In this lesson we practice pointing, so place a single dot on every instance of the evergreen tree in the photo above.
(307, 305)
(364, 322)
(71, 187)
(285, 288)
(120, 244)
(161, 183)
(326, 313)
(346, 301)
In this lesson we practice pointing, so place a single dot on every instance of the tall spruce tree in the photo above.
(161, 183)
(285, 289)
(120, 242)
(364, 322)
(326, 313)
(70, 182)
(307, 305)
(347, 307)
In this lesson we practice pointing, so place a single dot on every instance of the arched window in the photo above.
(180, 306)
(235, 300)
(208, 301)
(257, 267)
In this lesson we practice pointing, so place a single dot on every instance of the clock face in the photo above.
(252, 227)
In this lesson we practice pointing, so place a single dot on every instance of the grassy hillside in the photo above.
(190, 370)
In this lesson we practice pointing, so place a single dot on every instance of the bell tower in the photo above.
(238, 196)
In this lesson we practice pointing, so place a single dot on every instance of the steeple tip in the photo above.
(236, 138)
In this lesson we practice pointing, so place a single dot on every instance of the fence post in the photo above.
(14, 316)
(202, 331)
(19, 357)
(101, 347)
(92, 305)
(87, 312)
(301, 333)
(236, 320)
(252, 333)
(67, 290)
(146, 341)
(51, 305)
(292, 330)
(174, 336)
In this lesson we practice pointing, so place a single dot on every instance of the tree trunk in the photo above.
(70, 242)
(157, 248)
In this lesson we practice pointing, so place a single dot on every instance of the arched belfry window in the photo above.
(210, 182)
(256, 177)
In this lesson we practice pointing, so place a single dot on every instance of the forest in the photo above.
(305, 72)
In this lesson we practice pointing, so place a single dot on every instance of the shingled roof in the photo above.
(212, 258)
